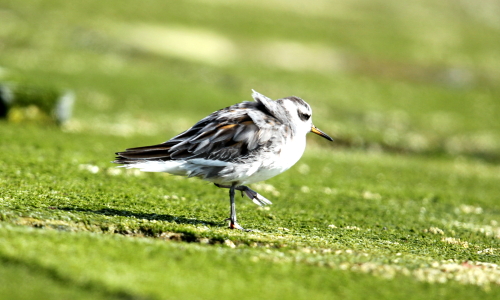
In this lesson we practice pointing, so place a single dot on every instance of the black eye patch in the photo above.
(304, 116)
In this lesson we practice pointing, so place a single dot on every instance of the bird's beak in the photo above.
(321, 133)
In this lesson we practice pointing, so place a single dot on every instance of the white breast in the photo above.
(276, 163)
(290, 153)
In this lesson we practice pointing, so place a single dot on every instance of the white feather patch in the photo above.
(172, 167)
(208, 162)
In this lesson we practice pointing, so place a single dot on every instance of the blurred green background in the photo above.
(383, 75)
(410, 91)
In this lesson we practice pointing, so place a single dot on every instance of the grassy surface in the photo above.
(403, 204)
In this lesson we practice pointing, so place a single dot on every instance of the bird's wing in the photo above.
(225, 135)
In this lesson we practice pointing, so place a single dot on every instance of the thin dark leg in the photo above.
(232, 217)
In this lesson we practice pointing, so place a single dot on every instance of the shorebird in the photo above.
(238, 145)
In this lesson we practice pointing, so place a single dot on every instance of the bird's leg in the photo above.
(232, 217)
(253, 195)
(222, 186)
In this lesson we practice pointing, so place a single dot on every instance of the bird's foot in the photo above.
(235, 225)
(255, 197)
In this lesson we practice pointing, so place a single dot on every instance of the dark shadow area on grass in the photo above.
(148, 230)
(89, 287)
(144, 216)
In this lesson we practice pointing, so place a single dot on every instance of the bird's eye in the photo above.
(304, 116)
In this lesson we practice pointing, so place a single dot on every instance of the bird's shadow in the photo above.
(143, 216)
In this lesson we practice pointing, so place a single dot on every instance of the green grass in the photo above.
(404, 203)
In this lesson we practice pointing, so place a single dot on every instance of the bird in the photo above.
(244, 143)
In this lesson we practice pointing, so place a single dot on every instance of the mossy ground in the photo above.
(403, 204)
